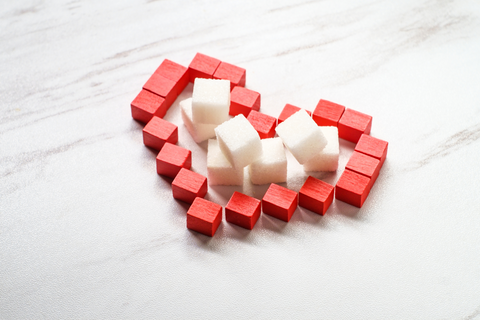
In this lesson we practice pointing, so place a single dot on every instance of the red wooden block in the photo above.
(372, 147)
(353, 124)
(202, 66)
(316, 195)
(279, 202)
(327, 113)
(364, 165)
(146, 105)
(204, 216)
(243, 101)
(242, 210)
(158, 131)
(228, 71)
(287, 111)
(176, 72)
(352, 188)
(172, 158)
(188, 185)
(163, 87)
(264, 124)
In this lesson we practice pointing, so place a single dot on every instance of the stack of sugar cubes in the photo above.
(238, 144)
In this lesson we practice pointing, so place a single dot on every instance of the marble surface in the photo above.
(88, 230)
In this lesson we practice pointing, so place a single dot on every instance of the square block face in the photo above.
(204, 216)
(188, 185)
(199, 131)
(146, 105)
(372, 147)
(289, 110)
(271, 167)
(327, 113)
(163, 87)
(158, 131)
(363, 164)
(210, 101)
(301, 136)
(234, 74)
(242, 210)
(263, 124)
(220, 170)
(239, 141)
(316, 195)
(353, 124)
(176, 72)
(327, 159)
(279, 202)
(352, 188)
(172, 158)
(202, 66)
(243, 101)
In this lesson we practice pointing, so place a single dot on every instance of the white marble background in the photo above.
(88, 230)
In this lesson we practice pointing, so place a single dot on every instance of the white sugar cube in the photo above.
(219, 170)
(271, 167)
(327, 159)
(210, 101)
(301, 136)
(199, 131)
(239, 141)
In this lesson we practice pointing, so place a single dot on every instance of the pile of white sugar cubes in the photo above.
(238, 145)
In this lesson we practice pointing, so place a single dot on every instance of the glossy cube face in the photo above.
(327, 159)
(171, 159)
(327, 113)
(239, 141)
(279, 202)
(242, 210)
(204, 216)
(316, 195)
(210, 101)
(146, 105)
(372, 147)
(220, 170)
(289, 110)
(301, 135)
(189, 185)
(234, 74)
(202, 66)
(263, 124)
(158, 131)
(243, 100)
(353, 124)
(352, 188)
(271, 167)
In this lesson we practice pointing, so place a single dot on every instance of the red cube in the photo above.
(204, 216)
(146, 105)
(243, 101)
(287, 111)
(172, 158)
(163, 87)
(228, 71)
(372, 147)
(364, 165)
(264, 124)
(327, 113)
(353, 124)
(188, 185)
(279, 202)
(202, 66)
(352, 188)
(176, 72)
(158, 131)
(242, 210)
(316, 195)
